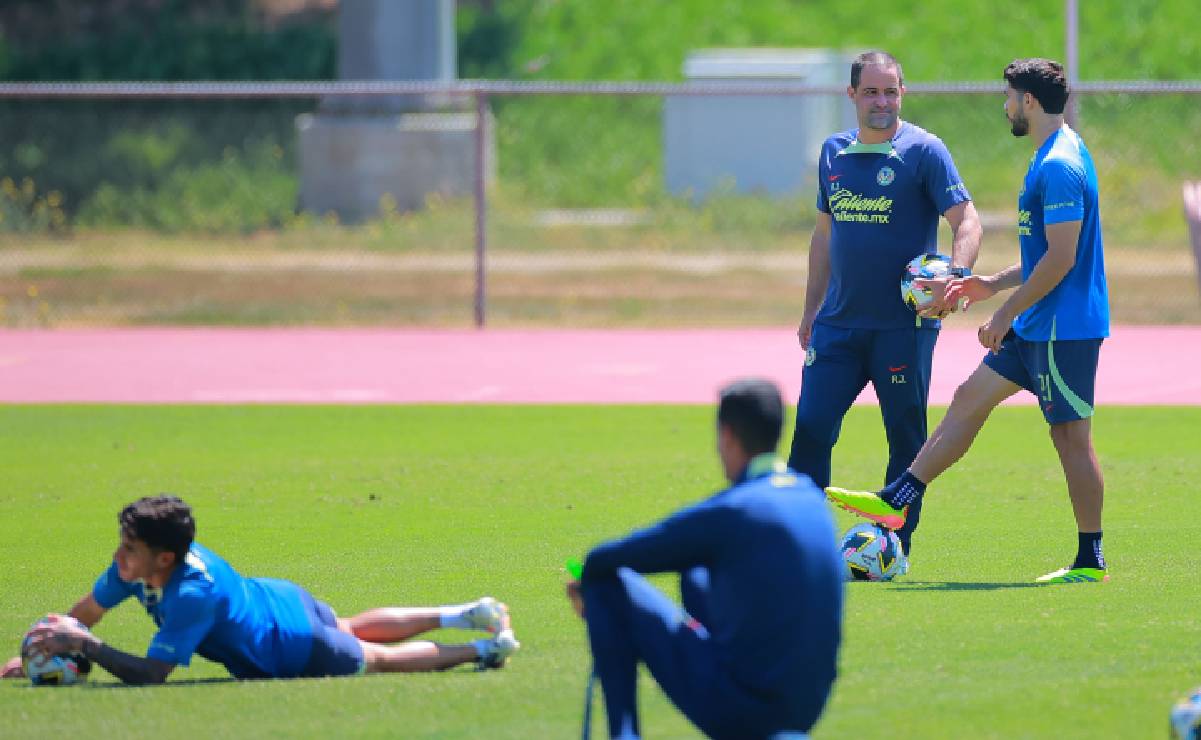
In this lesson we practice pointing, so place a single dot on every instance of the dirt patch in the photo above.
(111, 281)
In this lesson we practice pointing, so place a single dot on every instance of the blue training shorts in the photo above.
(1062, 373)
(334, 652)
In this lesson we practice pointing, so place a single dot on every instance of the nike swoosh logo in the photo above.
(834, 177)
(897, 369)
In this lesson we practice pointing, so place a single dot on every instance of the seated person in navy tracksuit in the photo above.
(754, 650)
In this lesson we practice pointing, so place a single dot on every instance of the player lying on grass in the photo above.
(255, 627)
(1046, 336)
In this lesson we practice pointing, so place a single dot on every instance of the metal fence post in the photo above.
(1071, 12)
(481, 207)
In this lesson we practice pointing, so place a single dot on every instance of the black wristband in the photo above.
(959, 272)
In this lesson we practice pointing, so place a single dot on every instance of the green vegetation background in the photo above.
(229, 167)
(418, 505)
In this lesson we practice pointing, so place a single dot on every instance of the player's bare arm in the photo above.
(87, 610)
(966, 233)
(1191, 193)
(1050, 270)
(975, 288)
(58, 636)
(819, 276)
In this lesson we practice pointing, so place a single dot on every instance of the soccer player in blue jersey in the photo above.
(882, 188)
(754, 650)
(1046, 336)
(255, 627)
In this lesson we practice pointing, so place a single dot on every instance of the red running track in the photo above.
(1139, 365)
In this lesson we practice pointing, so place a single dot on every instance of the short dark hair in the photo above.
(753, 411)
(874, 59)
(163, 522)
(1042, 78)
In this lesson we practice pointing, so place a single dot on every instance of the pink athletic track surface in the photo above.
(1139, 365)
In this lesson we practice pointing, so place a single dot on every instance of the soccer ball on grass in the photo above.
(53, 670)
(872, 553)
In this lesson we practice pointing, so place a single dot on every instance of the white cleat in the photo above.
(488, 615)
(499, 649)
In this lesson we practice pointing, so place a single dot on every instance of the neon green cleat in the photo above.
(869, 506)
(1075, 575)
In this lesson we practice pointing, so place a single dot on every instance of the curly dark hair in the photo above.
(1042, 78)
(163, 522)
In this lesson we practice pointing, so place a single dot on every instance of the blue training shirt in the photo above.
(255, 627)
(1061, 186)
(885, 201)
(775, 578)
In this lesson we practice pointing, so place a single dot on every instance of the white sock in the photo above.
(455, 616)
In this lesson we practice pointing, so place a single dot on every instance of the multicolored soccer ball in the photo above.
(1186, 717)
(872, 553)
(53, 670)
(922, 267)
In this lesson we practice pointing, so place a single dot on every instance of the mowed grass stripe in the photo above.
(412, 505)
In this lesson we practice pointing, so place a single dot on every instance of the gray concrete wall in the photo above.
(352, 162)
(395, 40)
(753, 143)
(356, 151)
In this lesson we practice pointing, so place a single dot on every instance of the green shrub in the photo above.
(244, 191)
(119, 163)
(24, 209)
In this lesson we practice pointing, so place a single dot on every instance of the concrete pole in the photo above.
(1191, 191)
(397, 40)
(481, 209)
(1071, 11)
(359, 153)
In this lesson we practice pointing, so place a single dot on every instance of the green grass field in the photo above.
(417, 505)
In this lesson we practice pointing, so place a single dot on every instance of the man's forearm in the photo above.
(965, 239)
(129, 668)
(819, 274)
(1048, 273)
(87, 610)
(1010, 277)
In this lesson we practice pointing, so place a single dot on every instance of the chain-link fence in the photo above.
(178, 204)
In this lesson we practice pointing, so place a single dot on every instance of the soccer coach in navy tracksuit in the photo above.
(754, 650)
(881, 190)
